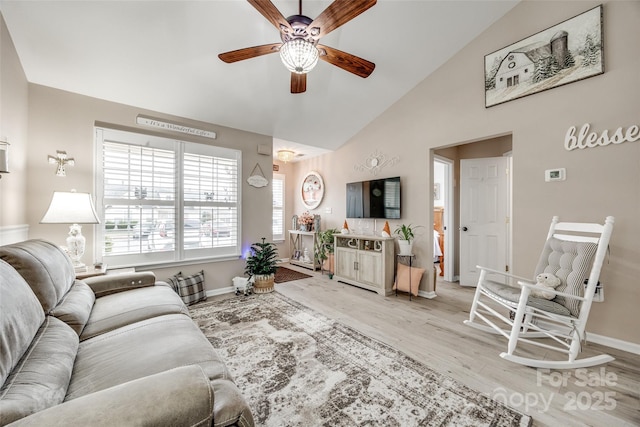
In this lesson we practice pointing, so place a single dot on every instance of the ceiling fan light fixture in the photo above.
(299, 55)
(286, 155)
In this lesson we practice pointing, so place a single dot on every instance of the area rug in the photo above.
(297, 367)
(284, 274)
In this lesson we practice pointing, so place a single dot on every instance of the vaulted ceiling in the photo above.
(162, 56)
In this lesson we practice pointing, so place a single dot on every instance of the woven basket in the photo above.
(263, 283)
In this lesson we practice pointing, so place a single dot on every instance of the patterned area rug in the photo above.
(284, 274)
(299, 368)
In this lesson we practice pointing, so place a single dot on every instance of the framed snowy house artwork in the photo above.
(565, 53)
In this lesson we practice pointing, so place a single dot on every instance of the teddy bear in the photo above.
(545, 281)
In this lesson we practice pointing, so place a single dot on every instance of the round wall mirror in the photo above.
(312, 190)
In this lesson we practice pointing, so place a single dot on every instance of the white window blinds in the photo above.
(166, 200)
(278, 206)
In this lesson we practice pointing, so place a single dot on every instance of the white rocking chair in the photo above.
(573, 252)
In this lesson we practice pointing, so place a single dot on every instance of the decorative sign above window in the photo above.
(584, 139)
(149, 121)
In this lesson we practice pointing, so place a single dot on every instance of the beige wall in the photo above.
(448, 109)
(61, 120)
(13, 124)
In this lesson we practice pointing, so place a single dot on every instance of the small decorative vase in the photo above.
(263, 283)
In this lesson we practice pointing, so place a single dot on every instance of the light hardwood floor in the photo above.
(431, 331)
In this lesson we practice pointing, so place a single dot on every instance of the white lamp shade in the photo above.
(70, 208)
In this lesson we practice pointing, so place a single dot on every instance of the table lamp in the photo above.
(72, 208)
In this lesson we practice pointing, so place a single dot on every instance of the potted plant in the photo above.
(324, 249)
(406, 236)
(261, 265)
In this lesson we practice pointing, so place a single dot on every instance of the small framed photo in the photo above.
(296, 255)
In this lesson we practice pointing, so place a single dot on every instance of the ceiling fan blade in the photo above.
(273, 15)
(338, 13)
(249, 52)
(298, 83)
(348, 62)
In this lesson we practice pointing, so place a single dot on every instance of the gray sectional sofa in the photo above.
(113, 350)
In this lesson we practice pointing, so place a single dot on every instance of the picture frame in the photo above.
(312, 190)
(567, 52)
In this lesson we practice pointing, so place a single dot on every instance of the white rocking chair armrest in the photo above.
(553, 291)
(503, 273)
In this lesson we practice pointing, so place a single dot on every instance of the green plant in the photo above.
(406, 231)
(263, 259)
(324, 243)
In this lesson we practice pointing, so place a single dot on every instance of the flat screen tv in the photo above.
(377, 198)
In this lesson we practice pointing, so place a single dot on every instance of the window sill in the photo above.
(171, 264)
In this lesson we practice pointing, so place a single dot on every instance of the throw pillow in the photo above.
(173, 281)
(191, 288)
(402, 278)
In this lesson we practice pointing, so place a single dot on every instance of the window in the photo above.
(163, 200)
(278, 206)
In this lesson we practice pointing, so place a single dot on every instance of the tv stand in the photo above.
(365, 261)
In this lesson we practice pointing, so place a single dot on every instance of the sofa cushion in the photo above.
(141, 349)
(41, 378)
(75, 307)
(178, 397)
(20, 318)
(45, 267)
(123, 308)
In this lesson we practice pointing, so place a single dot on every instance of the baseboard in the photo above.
(602, 340)
(220, 291)
(425, 294)
(614, 343)
(13, 233)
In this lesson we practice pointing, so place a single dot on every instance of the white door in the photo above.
(484, 220)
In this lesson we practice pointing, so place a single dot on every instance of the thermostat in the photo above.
(559, 174)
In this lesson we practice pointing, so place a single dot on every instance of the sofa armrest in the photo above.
(110, 284)
(179, 397)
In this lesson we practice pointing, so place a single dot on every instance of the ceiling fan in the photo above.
(300, 34)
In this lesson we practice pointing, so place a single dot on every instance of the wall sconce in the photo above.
(62, 160)
(286, 155)
(4, 155)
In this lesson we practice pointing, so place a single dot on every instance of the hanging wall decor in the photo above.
(257, 178)
(62, 161)
(375, 161)
(565, 53)
(312, 190)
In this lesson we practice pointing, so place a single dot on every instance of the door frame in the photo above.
(449, 208)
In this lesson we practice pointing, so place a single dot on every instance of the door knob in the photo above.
(464, 228)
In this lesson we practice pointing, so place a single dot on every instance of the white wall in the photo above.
(448, 109)
(13, 124)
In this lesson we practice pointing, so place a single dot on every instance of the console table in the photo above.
(365, 261)
(298, 242)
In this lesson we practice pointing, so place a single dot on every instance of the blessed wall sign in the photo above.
(584, 139)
